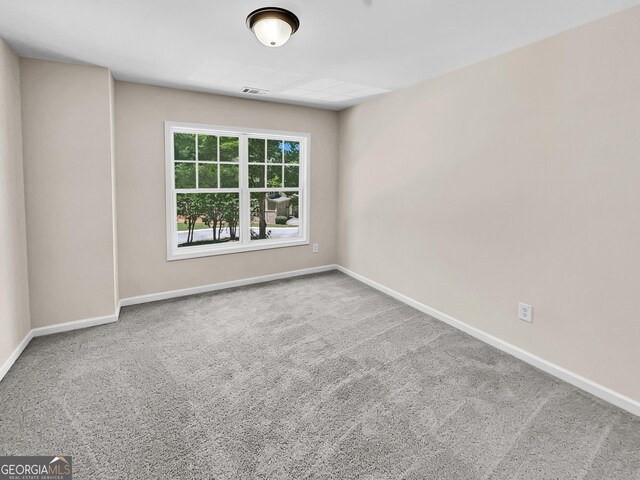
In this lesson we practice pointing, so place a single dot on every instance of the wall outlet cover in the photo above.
(525, 312)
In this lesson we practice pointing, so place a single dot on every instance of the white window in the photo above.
(233, 190)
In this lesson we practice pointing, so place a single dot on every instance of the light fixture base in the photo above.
(273, 12)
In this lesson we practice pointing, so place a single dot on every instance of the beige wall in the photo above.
(515, 179)
(66, 113)
(140, 115)
(14, 285)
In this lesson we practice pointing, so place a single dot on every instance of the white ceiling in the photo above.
(344, 51)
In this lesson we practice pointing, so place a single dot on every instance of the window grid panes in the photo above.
(274, 165)
(205, 163)
(233, 191)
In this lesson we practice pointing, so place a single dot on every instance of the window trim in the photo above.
(245, 244)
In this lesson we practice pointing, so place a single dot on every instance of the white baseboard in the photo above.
(154, 297)
(51, 329)
(76, 325)
(574, 379)
(16, 353)
(93, 322)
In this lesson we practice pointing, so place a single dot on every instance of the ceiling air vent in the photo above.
(254, 91)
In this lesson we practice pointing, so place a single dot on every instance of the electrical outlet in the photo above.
(316, 248)
(525, 312)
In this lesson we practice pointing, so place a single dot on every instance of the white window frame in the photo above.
(245, 244)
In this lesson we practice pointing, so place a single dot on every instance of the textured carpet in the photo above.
(313, 377)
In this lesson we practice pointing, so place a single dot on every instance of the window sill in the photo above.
(207, 251)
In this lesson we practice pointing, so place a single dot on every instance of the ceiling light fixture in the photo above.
(273, 26)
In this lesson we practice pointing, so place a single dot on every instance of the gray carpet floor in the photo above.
(314, 377)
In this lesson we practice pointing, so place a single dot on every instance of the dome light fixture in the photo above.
(272, 25)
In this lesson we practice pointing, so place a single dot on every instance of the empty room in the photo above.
(337, 239)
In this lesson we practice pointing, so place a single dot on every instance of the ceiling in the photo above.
(343, 53)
